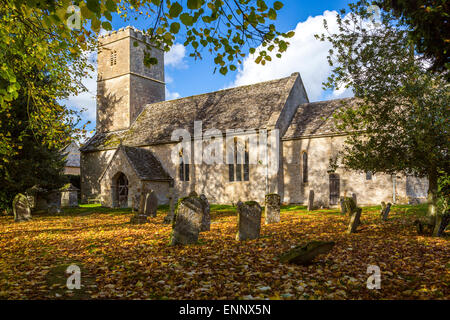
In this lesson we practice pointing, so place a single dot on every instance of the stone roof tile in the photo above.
(245, 107)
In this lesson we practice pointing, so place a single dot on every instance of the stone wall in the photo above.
(320, 150)
(92, 166)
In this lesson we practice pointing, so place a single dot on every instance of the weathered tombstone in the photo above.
(304, 254)
(342, 204)
(151, 204)
(429, 227)
(350, 205)
(272, 208)
(168, 219)
(206, 219)
(188, 221)
(354, 198)
(69, 196)
(383, 207)
(249, 220)
(385, 211)
(21, 208)
(354, 220)
(311, 200)
(54, 202)
(141, 201)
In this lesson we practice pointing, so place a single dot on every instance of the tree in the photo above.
(30, 162)
(400, 123)
(43, 46)
(427, 21)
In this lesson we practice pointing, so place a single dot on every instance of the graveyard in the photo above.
(224, 256)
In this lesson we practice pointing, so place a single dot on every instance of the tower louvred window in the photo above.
(113, 58)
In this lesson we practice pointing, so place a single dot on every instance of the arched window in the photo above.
(239, 169)
(113, 58)
(304, 167)
(183, 168)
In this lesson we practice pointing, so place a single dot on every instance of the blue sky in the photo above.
(186, 76)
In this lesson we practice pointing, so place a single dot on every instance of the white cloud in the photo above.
(172, 95)
(305, 54)
(175, 57)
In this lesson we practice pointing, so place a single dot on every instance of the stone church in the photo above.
(133, 143)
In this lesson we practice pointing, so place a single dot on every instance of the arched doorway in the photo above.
(335, 186)
(121, 190)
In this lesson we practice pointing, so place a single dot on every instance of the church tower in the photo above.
(124, 83)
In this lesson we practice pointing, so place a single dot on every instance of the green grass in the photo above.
(224, 210)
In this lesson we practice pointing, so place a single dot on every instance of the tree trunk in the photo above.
(432, 200)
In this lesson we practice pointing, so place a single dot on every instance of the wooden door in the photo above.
(335, 184)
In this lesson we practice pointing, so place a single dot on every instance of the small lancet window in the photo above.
(183, 169)
(305, 166)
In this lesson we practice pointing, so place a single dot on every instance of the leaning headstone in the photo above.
(354, 198)
(342, 204)
(206, 219)
(188, 221)
(21, 208)
(311, 200)
(304, 254)
(272, 208)
(354, 220)
(168, 219)
(151, 204)
(350, 205)
(249, 220)
(141, 201)
(385, 210)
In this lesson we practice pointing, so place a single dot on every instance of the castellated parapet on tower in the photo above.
(124, 83)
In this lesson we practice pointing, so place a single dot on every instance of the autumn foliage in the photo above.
(123, 261)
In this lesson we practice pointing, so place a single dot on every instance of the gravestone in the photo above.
(69, 196)
(168, 219)
(188, 221)
(349, 205)
(21, 208)
(385, 209)
(342, 204)
(354, 198)
(304, 254)
(141, 201)
(249, 220)
(272, 208)
(354, 220)
(206, 219)
(151, 204)
(54, 202)
(311, 200)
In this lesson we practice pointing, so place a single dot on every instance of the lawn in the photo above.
(123, 261)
